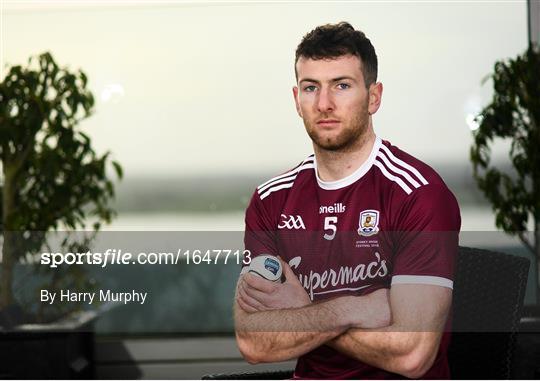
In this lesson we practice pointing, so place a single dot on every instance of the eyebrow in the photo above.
(333, 80)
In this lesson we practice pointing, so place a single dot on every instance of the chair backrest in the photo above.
(489, 288)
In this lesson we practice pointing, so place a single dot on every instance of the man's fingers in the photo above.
(250, 301)
(285, 266)
(287, 271)
(244, 306)
(247, 301)
(261, 297)
(251, 296)
(258, 283)
(257, 295)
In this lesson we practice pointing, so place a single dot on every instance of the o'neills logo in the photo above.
(338, 207)
(341, 279)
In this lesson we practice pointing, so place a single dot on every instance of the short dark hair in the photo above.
(336, 40)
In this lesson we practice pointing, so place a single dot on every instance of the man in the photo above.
(367, 235)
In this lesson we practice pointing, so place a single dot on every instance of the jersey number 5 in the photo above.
(330, 224)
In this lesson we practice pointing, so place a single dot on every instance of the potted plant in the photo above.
(51, 179)
(514, 115)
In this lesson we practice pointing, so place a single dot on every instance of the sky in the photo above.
(198, 88)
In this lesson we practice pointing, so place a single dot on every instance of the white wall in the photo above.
(207, 85)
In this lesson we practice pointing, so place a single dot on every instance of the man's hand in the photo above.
(258, 294)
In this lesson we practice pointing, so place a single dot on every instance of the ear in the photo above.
(375, 96)
(297, 101)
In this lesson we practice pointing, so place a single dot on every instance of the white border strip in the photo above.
(404, 165)
(397, 170)
(304, 165)
(276, 188)
(392, 177)
(422, 279)
(283, 180)
(261, 189)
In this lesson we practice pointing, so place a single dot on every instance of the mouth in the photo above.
(327, 122)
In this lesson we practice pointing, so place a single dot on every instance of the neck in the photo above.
(336, 165)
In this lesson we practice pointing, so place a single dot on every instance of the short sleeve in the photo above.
(427, 238)
(259, 235)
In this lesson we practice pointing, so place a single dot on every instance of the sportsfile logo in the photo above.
(291, 222)
(338, 207)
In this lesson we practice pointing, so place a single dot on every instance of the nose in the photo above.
(325, 101)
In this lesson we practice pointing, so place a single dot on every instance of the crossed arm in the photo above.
(409, 345)
(277, 322)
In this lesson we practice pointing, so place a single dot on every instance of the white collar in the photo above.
(356, 175)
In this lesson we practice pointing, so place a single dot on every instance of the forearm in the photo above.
(280, 335)
(391, 348)
(409, 345)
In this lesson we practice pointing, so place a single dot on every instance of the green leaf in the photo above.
(118, 169)
(513, 114)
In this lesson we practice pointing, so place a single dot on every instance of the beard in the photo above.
(351, 132)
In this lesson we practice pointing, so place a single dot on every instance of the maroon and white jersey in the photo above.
(392, 221)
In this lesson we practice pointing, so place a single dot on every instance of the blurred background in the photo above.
(194, 99)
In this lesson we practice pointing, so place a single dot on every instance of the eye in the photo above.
(309, 88)
(343, 86)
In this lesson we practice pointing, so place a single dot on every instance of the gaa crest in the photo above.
(368, 223)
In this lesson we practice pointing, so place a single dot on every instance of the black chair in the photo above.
(487, 303)
(489, 288)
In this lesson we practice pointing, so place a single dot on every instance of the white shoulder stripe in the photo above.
(422, 279)
(300, 167)
(276, 188)
(397, 170)
(279, 181)
(404, 165)
(398, 180)
(261, 188)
